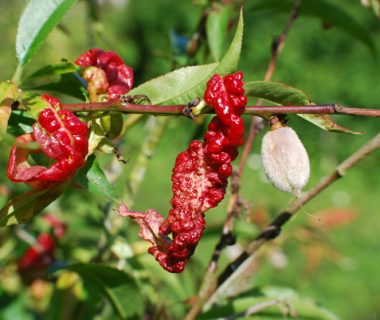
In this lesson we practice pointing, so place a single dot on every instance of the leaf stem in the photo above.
(16, 78)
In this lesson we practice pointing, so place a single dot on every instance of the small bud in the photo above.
(285, 160)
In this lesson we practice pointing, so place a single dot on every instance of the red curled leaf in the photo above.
(61, 136)
(199, 178)
(58, 226)
(36, 260)
(105, 73)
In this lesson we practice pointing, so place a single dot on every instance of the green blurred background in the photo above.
(336, 263)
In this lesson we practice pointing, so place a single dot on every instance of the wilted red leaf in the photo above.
(333, 218)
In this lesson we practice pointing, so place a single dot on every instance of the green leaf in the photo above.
(36, 22)
(231, 58)
(182, 85)
(179, 86)
(8, 95)
(375, 4)
(24, 207)
(325, 122)
(216, 29)
(53, 70)
(68, 84)
(281, 94)
(277, 93)
(328, 11)
(33, 104)
(288, 300)
(94, 180)
(116, 286)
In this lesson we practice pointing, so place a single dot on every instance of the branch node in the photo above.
(270, 233)
(340, 172)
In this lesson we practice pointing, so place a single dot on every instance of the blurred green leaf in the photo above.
(216, 29)
(36, 22)
(286, 301)
(8, 95)
(185, 84)
(116, 286)
(282, 94)
(330, 13)
(92, 177)
(24, 207)
(373, 4)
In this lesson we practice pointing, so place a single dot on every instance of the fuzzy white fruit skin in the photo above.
(285, 160)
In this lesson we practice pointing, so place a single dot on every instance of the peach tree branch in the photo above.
(182, 110)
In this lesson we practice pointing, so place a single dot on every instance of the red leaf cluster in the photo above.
(105, 73)
(199, 178)
(41, 255)
(61, 136)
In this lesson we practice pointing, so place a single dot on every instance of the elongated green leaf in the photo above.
(116, 286)
(68, 84)
(216, 29)
(25, 206)
(283, 301)
(53, 70)
(38, 19)
(276, 92)
(94, 180)
(183, 85)
(179, 86)
(375, 4)
(284, 95)
(325, 122)
(329, 11)
(231, 58)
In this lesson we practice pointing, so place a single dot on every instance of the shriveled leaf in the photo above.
(216, 29)
(92, 178)
(332, 218)
(24, 207)
(116, 286)
(281, 94)
(37, 21)
(182, 85)
(329, 12)
(8, 95)
(149, 222)
(272, 303)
